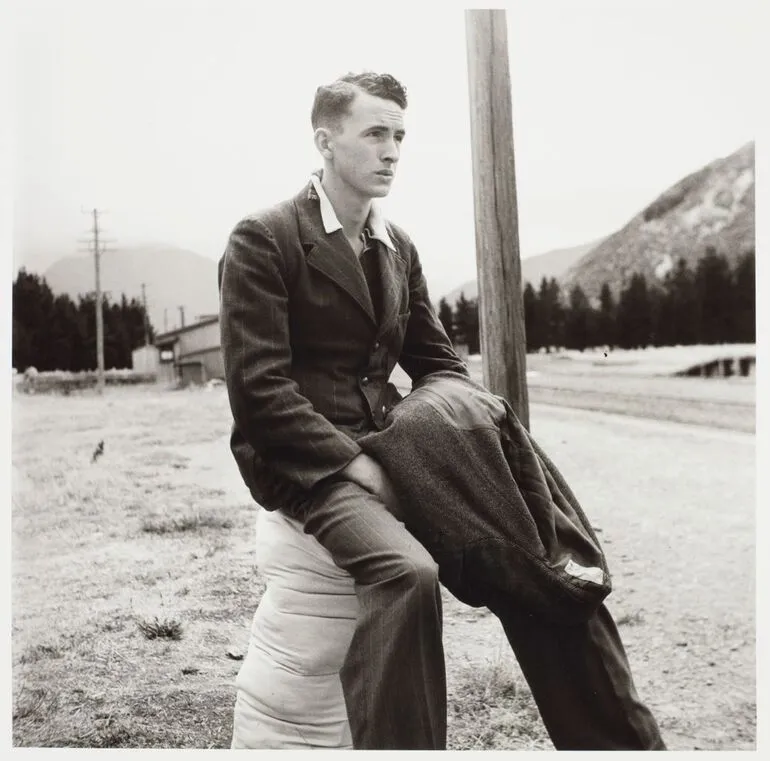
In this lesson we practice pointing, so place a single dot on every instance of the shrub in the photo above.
(182, 523)
(156, 628)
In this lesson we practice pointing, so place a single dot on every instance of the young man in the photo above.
(320, 298)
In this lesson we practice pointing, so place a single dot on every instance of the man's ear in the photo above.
(323, 139)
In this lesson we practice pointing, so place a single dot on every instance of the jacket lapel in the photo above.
(331, 255)
(392, 273)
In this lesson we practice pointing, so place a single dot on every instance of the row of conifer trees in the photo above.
(53, 332)
(710, 304)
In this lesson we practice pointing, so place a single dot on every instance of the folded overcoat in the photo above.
(488, 504)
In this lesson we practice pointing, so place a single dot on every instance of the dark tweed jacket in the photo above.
(488, 504)
(306, 363)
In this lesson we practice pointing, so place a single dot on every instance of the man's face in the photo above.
(366, 147)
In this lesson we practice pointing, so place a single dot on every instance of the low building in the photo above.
(145, 360)
(192, 353)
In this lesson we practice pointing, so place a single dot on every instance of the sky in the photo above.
(179, 118)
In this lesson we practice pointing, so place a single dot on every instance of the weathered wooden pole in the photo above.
(498, 266)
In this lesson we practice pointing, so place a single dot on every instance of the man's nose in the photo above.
(390, 151)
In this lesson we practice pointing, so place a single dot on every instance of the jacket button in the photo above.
(365, 380)
(376, 345)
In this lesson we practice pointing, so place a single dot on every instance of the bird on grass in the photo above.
(98, 452)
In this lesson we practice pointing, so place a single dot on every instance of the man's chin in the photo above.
(380, 190)
(373, 189)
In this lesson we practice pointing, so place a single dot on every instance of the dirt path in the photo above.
(675, 505)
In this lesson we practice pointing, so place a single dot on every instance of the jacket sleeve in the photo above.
(295, 441)
(427, 348)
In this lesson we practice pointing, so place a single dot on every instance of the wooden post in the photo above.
(99, 316)
(146, 319)
(501, 304)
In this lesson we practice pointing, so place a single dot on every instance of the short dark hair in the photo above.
(332, 102)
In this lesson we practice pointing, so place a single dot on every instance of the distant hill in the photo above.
(711, 207)
(533, 269)
(173, 277)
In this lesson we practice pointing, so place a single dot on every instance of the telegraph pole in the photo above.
(181, 315)
(146, 321)
(501, 307)
(165, 319)
(99, 316)
(96, 246)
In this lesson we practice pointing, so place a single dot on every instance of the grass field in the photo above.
(630, 383)
(101, 548)
(134, 585)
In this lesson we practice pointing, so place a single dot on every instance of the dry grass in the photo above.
(158, 531)
(160, 629)
(134, 581)
(630, 619)
(33, 703)
(652, 361)
(490, 708)
(638, 383)
(178, 524)
(114, 561)
(39, 652)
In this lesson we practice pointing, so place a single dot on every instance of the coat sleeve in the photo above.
(294, 440)
(427, 348)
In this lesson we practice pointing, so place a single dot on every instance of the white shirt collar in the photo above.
(375, 222)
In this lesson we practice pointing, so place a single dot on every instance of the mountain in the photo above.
(533, 269)
(711, 207)
(172, 277)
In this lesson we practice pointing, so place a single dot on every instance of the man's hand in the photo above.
(371, 476)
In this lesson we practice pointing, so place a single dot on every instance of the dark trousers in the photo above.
(581, 681)
(394, 678)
